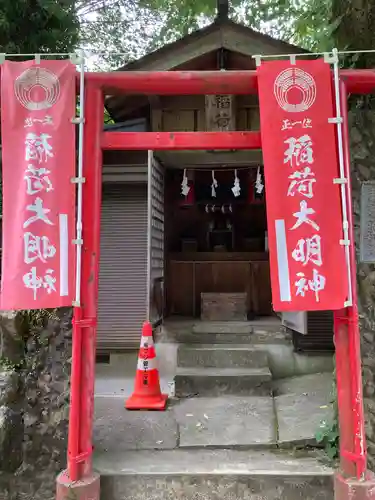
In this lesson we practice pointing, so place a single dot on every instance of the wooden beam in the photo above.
(209, 82)
(177, 82)
(359, 81)
(180, 140)
(211, 159)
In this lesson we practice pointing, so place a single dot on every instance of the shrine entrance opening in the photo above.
(215, 236)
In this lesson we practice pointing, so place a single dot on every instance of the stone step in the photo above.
(240, 422)
(212, 475)
(221, 356)
(216, 381)
(265, 338)
(264, 331)
(267, 331)
(229, 327)
(214, 338)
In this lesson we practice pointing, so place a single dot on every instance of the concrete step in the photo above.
(214, 338)
(263, 331)
(224, 327)
(228, 332)
(221, 356)
(264, 338)
(261, 326)
(238, 422)
(212, 475)
(216, 381)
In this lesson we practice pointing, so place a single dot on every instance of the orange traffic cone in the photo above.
(147, 394)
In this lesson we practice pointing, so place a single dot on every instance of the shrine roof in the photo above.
(198, 51)
(220, 34)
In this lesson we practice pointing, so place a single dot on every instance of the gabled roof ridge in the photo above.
(216, 25)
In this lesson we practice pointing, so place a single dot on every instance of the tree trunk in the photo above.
(356, 30)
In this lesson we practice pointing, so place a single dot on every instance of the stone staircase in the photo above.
(218, 358)
(231, 431)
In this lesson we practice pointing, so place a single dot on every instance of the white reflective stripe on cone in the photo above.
(147, 364)
(149, 341)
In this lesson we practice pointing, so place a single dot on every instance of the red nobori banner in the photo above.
(308, 265)
(38, 102)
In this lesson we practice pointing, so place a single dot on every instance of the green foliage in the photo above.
(35, 320)
(328, 436)
(306, 23)
(8, 365)
(131, 28)
(117, 31)
(30, 26)
(32, 323)
(328, 433)
(107, 117)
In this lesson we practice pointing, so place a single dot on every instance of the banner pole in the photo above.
(342, 180)
(74, 416)
(80, 180)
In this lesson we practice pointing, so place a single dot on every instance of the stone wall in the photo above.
(362, 126)
(34, 403)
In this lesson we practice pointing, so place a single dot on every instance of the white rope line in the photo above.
(87, 52)
(368, 51)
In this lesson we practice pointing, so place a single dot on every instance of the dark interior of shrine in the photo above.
(204, 221)
(216, 238)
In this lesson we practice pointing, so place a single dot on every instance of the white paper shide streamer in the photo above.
(259, 186)
(214, 185)
(184, 185)
(236, 189)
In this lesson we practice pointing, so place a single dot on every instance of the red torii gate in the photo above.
(352, 481)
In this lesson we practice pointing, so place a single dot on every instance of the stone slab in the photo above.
(224, 306)
(218, 487)
(218, 381)
(212, 475)
(221, 356)
(367, 219)
(212, 461)
(300, 413)
(116, 429)
(269, 331)
(215, 338)
(226, 421)
(312, 384)
(223, 327)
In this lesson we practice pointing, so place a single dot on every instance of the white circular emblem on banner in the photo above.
(37, 89)
(296, 82)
